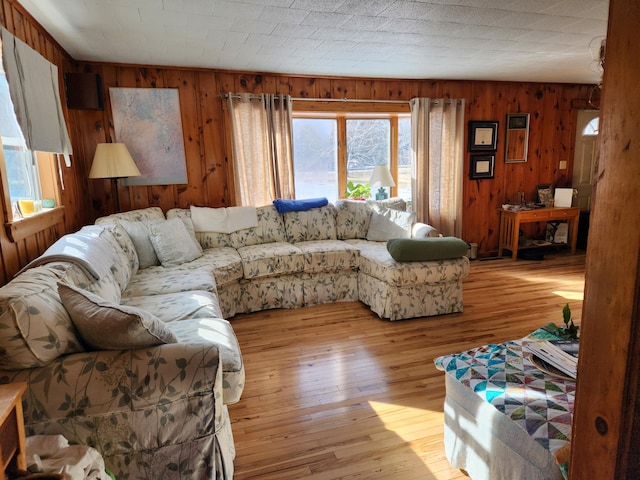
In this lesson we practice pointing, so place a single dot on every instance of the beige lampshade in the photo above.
(382, 176)
(113, 160)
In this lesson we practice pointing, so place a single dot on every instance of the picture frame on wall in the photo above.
(482, 166)
(483, 136)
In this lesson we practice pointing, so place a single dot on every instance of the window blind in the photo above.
(34, 89)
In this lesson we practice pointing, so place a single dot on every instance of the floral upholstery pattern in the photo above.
(314, 224)
(126, 245)
(409, 301)
(352, 219)
(262, 293)
(172, 307)
(152, 413)
(218, 332)
(157, 281)
(328, 256)
(35, 328)
(225, 262)
(140, 215)
(329, 287)
(377, 262)
(206, 239)
(271, 259)
(270, 229)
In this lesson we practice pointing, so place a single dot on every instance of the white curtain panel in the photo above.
(261, 131)
(35, 93)
(437, 143)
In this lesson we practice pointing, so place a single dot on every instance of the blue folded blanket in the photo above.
(284, 206)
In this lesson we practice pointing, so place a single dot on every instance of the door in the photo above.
(585, 156)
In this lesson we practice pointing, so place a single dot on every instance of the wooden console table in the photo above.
(510, 225)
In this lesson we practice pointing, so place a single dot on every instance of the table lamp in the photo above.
(382, 176)
(113, 160)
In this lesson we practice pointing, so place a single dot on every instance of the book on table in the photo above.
(560, 354)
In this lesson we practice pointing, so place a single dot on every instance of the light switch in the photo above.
(563, 164)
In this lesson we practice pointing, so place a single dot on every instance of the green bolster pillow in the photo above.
(426, 249)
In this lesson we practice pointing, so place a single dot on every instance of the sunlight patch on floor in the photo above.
(570, 295)
(409, 424)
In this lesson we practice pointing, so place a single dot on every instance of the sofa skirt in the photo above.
(402, 302)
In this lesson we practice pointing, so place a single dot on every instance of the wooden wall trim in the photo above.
(23, 228)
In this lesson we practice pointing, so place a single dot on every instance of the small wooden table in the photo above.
(12, 437)
(510, 225)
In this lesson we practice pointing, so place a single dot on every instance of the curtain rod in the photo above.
(344, 99)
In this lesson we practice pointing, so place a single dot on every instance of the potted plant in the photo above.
(569, 331)
(358, 191)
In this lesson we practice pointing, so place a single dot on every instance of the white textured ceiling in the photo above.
(517, 40)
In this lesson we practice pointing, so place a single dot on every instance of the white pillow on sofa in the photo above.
(104, 325)
(172, 242)
(138, 231)
(388, 223)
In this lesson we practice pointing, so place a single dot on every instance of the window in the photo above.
(331, 149)
(21, 164)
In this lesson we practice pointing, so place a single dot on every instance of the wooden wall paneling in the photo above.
(343, 88)
(304, 88)
(192, 192)
(369, 89)
(226, 82)
(216, 190)
(97, 128)
(7, 15)
(324, 88)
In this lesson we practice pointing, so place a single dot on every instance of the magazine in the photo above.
(560, 354)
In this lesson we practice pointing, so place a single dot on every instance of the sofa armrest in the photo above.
(125, 401)
(422, 230)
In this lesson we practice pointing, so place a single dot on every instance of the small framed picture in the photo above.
(483, 136)
(482, 166)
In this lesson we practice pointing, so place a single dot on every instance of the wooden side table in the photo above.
(12, 436)
(510, 225)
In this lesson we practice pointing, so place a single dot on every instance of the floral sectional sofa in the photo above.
(126, 348)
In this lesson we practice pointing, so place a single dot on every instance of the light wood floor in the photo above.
(334, 392)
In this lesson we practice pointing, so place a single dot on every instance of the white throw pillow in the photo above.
(172, 242)
(104, 325)
(388, 223)
(139, 234)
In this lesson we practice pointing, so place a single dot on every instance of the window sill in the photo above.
(28, 226)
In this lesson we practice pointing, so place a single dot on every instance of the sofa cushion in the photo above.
(424, 249)
(314, 224)
(377, 262)
(172, 242)
(206, 239)
(328, 256)
(105, 325)
(126, 245)
(352, 219)
(138, 231)
(159, 280)
(270, 229)
(270, 259)
(389, 223)
(220, 333)
(171, 307)
(35, 328)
